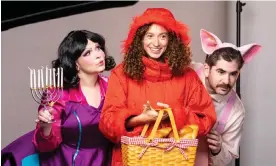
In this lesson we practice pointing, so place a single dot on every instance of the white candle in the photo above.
(31, 78)
(54, 75)
(34, 79)
(42, 81)
(58, 79)
(38, 78)
(50, 77)
(46, 82)
(61, 77)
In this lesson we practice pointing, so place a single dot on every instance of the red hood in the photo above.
(159, 16)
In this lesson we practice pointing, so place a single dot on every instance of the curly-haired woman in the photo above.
(154, 69)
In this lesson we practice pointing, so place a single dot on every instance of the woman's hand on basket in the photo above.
(150, 115)
(163, 105)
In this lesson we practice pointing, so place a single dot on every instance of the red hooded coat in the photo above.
(186, 95)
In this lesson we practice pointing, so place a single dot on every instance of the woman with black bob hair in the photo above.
(74, 138)
(72, 48)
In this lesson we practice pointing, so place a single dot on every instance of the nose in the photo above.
(156, 42)
(226, 79)
(100, 55)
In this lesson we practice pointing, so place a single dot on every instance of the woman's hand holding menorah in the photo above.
(46, 94)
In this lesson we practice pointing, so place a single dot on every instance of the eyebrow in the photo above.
(89, 48)
(85, 52)
(234, 72)
(163, 33)
(220, 69)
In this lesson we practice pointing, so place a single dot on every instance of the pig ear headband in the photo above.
(211, 43)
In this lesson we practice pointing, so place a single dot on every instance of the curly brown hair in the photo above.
(178, 55)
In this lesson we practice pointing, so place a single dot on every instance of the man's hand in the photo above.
(215, 142)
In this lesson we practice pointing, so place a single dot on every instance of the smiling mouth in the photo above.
(155, 50)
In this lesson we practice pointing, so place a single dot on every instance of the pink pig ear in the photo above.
(209, 41)
(249, 51)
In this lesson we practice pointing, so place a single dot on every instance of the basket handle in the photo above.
(157, 123)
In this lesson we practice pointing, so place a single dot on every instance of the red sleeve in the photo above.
(115, 111)
(200, 108)
(51, 142)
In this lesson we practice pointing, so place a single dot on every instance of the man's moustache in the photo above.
(224, 86)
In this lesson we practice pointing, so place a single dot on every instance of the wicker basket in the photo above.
(150, 151)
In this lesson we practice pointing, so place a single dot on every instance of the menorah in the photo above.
(50, 92)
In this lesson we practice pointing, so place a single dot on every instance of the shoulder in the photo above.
(118, 73)
(238, 106)
(118, 70)
(191, 77)
(190, 72)
(71, 94)
(195, 68)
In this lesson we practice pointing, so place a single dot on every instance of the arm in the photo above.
(49, 140)
(135, 121)
(230, 142)
(115, 112)
(199, 107)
